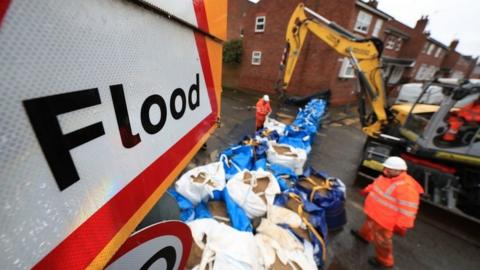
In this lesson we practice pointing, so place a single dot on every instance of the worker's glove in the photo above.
(363, 192)
(400, 231)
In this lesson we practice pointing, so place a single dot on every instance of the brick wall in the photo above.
(236, 11)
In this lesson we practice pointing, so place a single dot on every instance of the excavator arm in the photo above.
(364, 55)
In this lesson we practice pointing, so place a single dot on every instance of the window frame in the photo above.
(398, 44)
(390, 42)
(361, 18)
(431, 48)
(377, 28)
(345, 67)
(396, 74)
(262, 24)
(425, 47)
(259, 57)
(438, 52)
(421, 72)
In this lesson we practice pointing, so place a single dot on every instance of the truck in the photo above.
(103, 104)
(448, 169)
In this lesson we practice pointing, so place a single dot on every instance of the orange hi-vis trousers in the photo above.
(381, 239)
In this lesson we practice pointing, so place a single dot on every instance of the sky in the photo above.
(448, 19)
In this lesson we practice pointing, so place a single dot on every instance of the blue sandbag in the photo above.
(201, 211)
(332, 201)
(316, 214)
(260, 164)
(237, 158)
(260, 147)
(187, 212)
(238, 218)
(279, 172)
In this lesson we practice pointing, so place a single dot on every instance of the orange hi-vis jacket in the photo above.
(471, 112)
(393, 201)
(263, 108)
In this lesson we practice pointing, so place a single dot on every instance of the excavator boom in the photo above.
(364, 55)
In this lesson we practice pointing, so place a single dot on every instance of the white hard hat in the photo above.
(266, 98)
(395, 163)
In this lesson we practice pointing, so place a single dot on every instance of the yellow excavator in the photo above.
(449, 170)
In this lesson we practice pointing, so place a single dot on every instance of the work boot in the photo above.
(357, 235)
(375, 263)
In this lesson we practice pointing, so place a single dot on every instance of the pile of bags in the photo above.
(257, 207)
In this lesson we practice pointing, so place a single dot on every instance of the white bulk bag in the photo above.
(242, 193)
(199, 183)
(218, 250)
(281, 215)
(287, 247)
(272, 124)
(293, 158)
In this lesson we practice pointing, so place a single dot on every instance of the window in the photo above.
(377, 28)
(390, 43)
(438, 52)
(431, 48)
(386, 71)
(457, 75)
(421, 72)
(431, 73)
(346, 70)
(260, 24)
(256, 58)
(396, 75)
(398, 45)
(425, 72)
(425, 47)
(363, 22)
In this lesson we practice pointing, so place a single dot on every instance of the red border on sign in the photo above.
(3, 9)
(96, 232)
(201, 14)
(175, 228)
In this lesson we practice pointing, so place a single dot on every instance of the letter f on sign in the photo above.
(55, 145)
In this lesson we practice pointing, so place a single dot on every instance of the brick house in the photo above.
(475, 72)
(410, 54)
(456, 65)
(421, 55)
(319, 67)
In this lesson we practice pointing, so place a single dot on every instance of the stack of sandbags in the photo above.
(258, 198)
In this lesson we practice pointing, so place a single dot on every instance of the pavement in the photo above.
(337, 151)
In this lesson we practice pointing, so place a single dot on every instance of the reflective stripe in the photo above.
(391, 206)
(393, 199)
(393, 186)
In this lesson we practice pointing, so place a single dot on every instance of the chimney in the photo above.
(373, 3)
(453, 44)
(422, 23)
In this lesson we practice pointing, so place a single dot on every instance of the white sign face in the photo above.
(97, 98)
(182, 9)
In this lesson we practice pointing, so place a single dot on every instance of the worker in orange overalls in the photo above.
(468, 114)
(391, 207)
(263, 109)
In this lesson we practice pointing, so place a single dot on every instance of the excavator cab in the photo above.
(452, 127)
